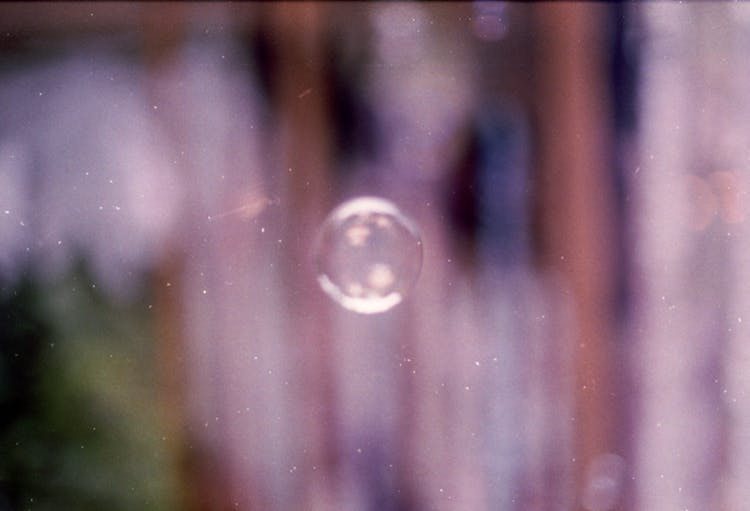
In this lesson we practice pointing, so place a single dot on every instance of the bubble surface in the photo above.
(368, 255)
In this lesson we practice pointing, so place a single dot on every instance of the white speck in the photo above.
(476, 363)
(262, 229)
(467, 387)
(59, 242)
(739, 320)
(117, 208)
(156, 107)
(41, 93)
(205, 291)
(359, 450)
(7, 212)
(169, 284)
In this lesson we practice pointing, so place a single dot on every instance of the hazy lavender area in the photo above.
(379, 256)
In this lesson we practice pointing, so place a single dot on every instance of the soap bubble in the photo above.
(368, 255)
(603, 483)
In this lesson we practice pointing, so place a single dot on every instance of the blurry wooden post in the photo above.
(300, 96)
(576, 217)
(163, 31)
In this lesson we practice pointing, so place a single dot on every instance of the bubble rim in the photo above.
(359, 305)
(376, 205)
(352, 207)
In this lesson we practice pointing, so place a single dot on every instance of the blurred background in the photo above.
(575, 341)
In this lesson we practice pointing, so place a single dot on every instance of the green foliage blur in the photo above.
(80, 428)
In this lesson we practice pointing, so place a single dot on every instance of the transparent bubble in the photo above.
(604, 480)
(368, 255)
